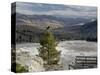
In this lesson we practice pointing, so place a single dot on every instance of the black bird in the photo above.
(48, 28)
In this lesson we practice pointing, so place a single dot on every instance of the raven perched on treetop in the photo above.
(48, 28)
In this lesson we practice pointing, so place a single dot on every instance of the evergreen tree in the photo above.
(47, 50)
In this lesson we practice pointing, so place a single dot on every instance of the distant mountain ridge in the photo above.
(89, 29)
(30, 27)
(42, 19)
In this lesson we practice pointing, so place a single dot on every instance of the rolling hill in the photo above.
(30, 27)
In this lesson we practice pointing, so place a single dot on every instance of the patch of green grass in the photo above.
(20, 68)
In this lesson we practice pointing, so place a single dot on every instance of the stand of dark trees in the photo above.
(26, 36)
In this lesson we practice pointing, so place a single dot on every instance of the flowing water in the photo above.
(26, 53)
